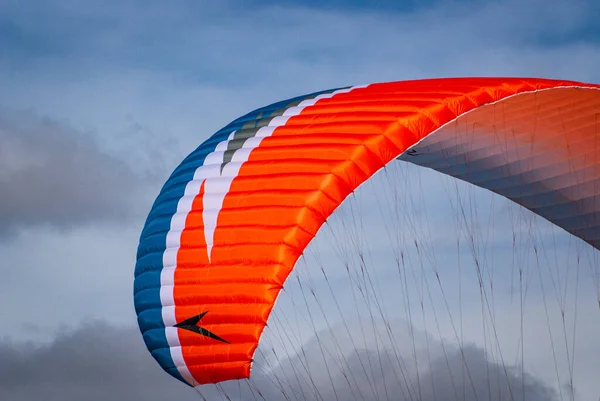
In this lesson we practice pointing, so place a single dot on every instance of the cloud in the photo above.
(186, 70)
(302, 47)
(53, 175)
(376, 360)
(183, 71)
(98, 361)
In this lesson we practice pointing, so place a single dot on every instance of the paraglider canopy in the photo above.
(232, 220)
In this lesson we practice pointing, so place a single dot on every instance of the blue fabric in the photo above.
(152, 245)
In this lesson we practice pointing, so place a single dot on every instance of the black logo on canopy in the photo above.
(191, 324)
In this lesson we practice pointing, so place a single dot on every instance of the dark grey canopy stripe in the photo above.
(251, 127)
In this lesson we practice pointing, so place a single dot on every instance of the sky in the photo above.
(99, 103)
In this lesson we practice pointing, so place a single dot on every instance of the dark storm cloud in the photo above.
(101, 362)
(51, 174)
(96, 362)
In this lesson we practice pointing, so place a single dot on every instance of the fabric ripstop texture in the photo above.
(231, 221)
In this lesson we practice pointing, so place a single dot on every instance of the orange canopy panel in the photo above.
(232, 220)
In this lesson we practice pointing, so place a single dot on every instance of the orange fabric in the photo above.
(539, 149)
(287, 189)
